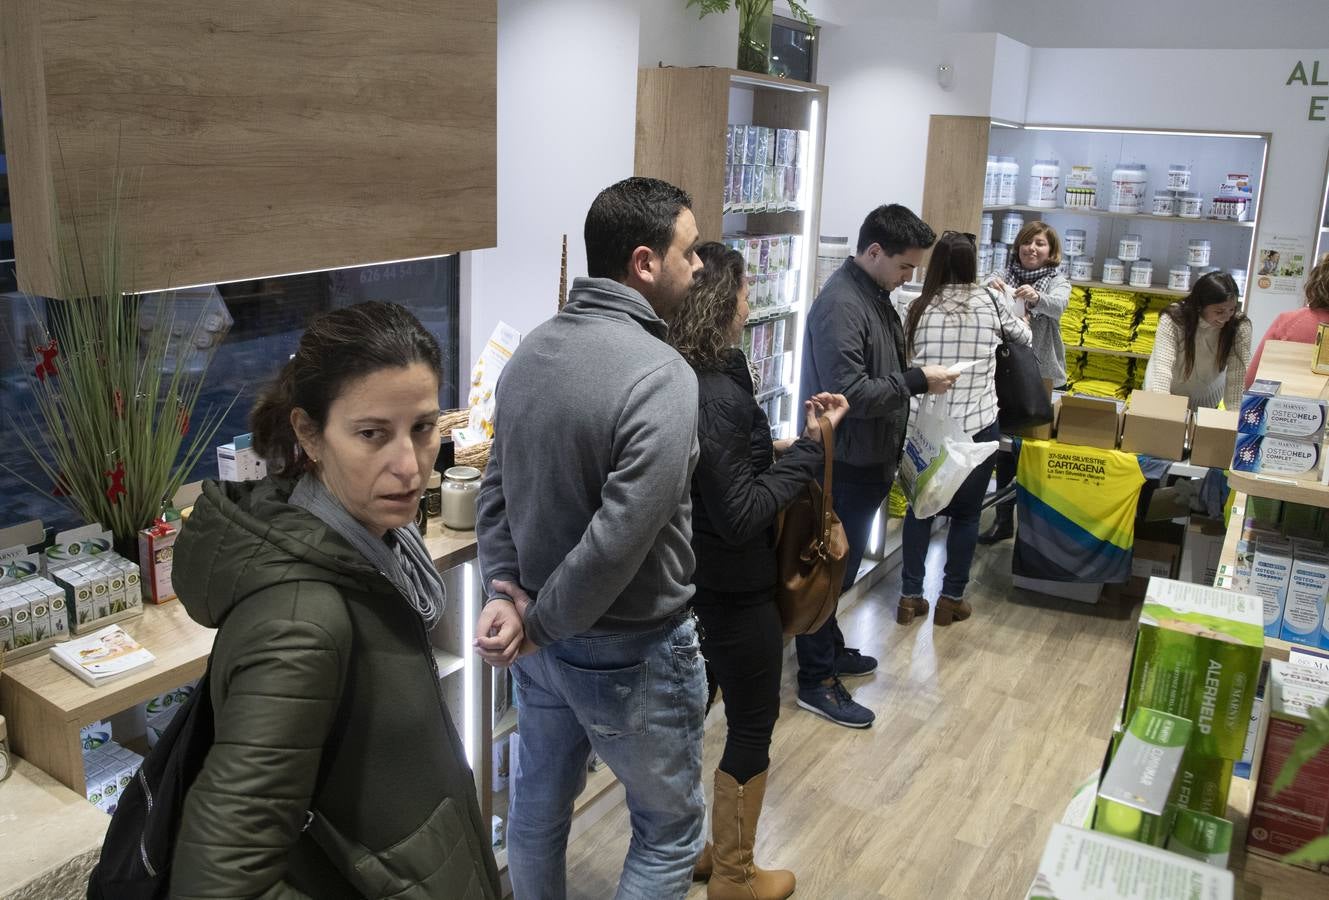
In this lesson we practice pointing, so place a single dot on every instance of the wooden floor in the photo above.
(983, 731)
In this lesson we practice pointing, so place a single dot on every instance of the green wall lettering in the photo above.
(1315, 74)
(1318, 105)
(1298, 74)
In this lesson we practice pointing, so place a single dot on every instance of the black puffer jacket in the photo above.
(319, 665)
(737, 490)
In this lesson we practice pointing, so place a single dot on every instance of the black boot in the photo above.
(1002, 529)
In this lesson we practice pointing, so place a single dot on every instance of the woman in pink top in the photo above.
(1299, 325)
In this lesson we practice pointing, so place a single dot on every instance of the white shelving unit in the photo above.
(1211, 156)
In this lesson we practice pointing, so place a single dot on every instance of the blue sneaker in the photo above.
(849, 663)
(831, 700)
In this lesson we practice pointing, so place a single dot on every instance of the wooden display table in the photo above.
(46, 705)
(50, 837)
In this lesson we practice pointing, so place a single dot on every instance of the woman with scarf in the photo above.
(1032, 278)
(336, 771)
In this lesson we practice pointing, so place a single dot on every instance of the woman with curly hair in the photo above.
(738, 488)
(1299, 325)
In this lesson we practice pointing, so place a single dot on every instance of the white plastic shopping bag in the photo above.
(938, 456)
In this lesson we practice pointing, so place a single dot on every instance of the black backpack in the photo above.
(140, 842)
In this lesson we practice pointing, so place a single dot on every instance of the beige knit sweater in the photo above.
(1207, 384)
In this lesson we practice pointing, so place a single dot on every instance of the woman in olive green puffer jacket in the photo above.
(336, 770)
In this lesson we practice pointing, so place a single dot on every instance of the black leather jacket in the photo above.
(738, 488)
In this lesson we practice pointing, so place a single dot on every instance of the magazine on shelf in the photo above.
(103, 656)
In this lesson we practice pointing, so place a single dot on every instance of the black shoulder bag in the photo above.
(1023, 400)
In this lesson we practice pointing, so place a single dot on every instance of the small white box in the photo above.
(1271, 569)
(1308, 585)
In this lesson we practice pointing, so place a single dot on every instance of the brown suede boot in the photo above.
(734, 829)
(910, 608)
(951, 610)
(701, 870)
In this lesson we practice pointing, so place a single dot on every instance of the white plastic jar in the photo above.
(990, 179)
(1129, 181)
(1179, 278)
(1197, 252)
(1165, 203)
(1142, 273)
(1129, 248)
(1190, 206)
(1044, 183)
(1082, 268)
(1011, 224)
(1114, 272)
(1009, 176)
(1179, 177)
(985, 258)
(985, 229)
(1000, 256)
(1064, 267)
(1239, 276)
(1072, 243)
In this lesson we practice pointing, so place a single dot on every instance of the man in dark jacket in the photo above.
(585, 507)
(854, 345)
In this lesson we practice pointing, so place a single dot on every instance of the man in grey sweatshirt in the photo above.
(584, 531)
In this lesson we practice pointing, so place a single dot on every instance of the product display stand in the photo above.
(683, 119)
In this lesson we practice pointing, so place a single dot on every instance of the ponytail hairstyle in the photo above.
(954, 261)
(1216, 287)
(337, 347)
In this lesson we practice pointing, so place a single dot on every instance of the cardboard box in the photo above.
(1087, 865)
(1157, 554)
(1155, 424)
(1197, 655)
(1204, 546)
(1089, 422)
(1213, 437)
(1267, 454)
(1271, 569)
(1293, 417)
(1308, 585)
(1282, 823)
(156, 556)
(1141, 781)
(1201, 837)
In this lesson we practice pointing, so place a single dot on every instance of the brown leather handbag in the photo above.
(811, 552)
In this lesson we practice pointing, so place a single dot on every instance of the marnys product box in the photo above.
(1197, 655)
(1296, 459)
(1201, 837)
(1293, 417)
(1308, 584)
(1136, 794)
(1088, 865)
(1283, 822)
(1271, 570)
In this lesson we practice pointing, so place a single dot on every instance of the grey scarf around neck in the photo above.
(401, 555)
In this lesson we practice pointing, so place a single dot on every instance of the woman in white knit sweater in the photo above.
(1203, 346)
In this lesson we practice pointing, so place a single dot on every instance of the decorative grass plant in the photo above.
(112, 424)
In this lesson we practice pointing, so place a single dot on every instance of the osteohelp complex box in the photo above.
(1197, 655)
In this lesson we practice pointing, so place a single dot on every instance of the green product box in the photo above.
(1204, 782)
(1197, 655)
(1301, 521)
(1265, 511)
(1202, 837)
(1136, 796)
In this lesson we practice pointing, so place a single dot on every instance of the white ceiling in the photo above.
(1155, 24)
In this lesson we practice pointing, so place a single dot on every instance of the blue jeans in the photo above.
(961, 534)
(856, 505)
(637, 700)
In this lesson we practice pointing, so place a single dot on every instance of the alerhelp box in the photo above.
(1197, 655)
